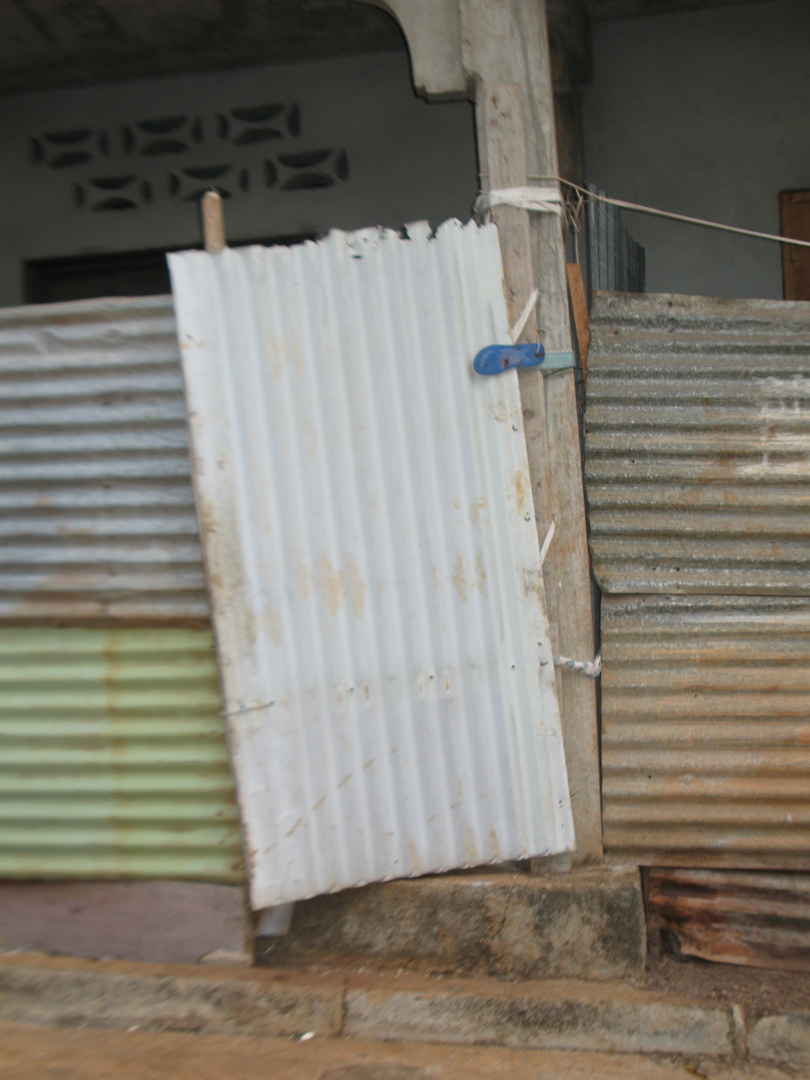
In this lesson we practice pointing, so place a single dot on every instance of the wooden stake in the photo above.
(213, 223)
(579, 306)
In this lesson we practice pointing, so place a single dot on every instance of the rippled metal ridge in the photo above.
(705, 735)
(113, 761)
(698, 445)
(97, 518)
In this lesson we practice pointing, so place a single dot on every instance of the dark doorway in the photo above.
(126, 273)
(794, 219)
(81, 277)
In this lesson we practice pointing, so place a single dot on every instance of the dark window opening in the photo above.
(127, 273)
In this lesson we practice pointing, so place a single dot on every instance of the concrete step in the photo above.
(585, 924)
(88, 1054)
(563, 1015)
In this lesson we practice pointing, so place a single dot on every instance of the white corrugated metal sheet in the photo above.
(372, 555)
(706, 731)
(698, 445)
(97, 508)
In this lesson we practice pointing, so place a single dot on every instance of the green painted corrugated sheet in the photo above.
(113, 761)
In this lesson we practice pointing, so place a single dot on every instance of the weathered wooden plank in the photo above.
(507, 47)
(579, 306)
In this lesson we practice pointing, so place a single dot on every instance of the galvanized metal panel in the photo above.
(698, 445)
(615, 260)
(372, 552)
(706, 731)
(97, 514)
(113, 761)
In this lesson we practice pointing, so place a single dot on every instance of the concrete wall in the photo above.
(390, 158)
(705, 113)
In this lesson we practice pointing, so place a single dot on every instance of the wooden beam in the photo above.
(579, 306)
(507, 49)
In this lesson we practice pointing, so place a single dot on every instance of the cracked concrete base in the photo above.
(781, 1038)
(560, 1014)
(583, 924)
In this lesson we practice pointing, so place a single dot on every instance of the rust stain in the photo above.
(754, 918)
(297, 354)
(477, 508)
(522, 490)
(332, 585)
(311, 437)
(459, 579)
(295, 826)
(319, 803)
(481, 572)
(414, 853)
(493, 839)
(276, 353)
(356, 587)
(345, 780)
(304, 580)
(469, 845)
(272, 623)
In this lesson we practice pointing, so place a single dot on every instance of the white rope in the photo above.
(547, 542)
(544, 200)
(624, 205)
(524, 316)
(591, 668)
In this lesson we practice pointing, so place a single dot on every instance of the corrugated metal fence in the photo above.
(98, 518)
(698, 445)
(698, 483)
(112, 756)
(706, 730)
(113, 760)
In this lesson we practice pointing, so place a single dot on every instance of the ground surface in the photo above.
(28, 1052)
(757, 989)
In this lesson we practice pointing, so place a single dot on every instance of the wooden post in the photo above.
(507, 47)
(579, 306)
(213, 222)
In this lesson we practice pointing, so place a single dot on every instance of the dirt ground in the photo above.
(52, 1053)
(758, 990)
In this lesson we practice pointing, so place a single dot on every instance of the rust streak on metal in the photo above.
(754, 919)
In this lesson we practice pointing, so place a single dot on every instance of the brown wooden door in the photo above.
(794, 218)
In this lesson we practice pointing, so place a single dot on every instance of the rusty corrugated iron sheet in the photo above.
(698, 445)
(371, 546)
(753, 918)
(113, 761)
(706, 731)
(97, 516)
